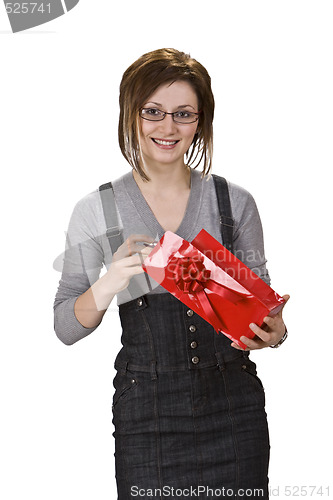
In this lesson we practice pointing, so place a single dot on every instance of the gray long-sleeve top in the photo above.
(88, 249)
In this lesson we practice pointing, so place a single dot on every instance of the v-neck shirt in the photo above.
(135, 202)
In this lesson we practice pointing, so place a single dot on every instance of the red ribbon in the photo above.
(192, 277)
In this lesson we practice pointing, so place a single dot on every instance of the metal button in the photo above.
(194, 344)
(189, 312)
(195, 360)
(139, 302)
(192, 328)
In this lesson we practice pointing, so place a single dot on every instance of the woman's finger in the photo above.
(262, 334)
(286, 298)
(132, 246)
(130, 261)
(137, 240)
(255, 343)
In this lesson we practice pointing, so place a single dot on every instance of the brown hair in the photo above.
(141, 80)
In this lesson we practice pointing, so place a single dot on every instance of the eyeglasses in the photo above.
(156, 115)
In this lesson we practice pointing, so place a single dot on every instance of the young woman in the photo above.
(188, 407)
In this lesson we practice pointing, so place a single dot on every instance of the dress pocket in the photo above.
(124, 383)
(249, 367)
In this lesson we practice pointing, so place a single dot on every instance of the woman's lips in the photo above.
(165, 144)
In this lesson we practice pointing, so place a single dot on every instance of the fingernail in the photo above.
(153, 244)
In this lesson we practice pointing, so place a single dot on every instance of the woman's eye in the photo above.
(183, 114)
(153, 111)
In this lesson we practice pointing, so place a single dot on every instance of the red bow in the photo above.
(190, 274)
(192, 277)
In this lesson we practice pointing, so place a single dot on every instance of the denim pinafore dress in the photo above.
(188, 409)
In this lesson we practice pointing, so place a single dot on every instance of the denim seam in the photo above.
(199, 469)
(158, 437)
(149, 336)
(234, 440)
(154, 380)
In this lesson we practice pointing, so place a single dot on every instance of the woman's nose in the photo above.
(168, 124)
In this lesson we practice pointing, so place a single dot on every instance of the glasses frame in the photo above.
(172, 114)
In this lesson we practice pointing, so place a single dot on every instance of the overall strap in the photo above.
(226, 220)
(113, 231)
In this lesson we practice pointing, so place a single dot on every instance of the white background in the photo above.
(271, 69)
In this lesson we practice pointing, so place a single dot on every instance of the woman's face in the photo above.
(165, 142)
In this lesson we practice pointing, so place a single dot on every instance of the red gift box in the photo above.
(211, 281)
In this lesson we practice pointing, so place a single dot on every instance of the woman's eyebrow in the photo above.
(186, 106)
(156, 103)
(161, 105)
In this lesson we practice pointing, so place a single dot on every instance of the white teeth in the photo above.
(165, 143)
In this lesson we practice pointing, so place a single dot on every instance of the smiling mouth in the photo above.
(161, 142)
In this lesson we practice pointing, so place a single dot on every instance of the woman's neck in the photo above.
(165, 179)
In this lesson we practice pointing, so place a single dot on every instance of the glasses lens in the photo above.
(185, 117)
(152, 114)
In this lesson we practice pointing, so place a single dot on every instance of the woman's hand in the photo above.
(271, 334)
(89, 308)
(127, 261)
